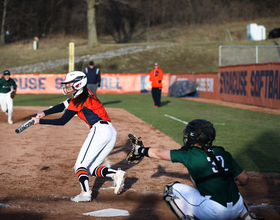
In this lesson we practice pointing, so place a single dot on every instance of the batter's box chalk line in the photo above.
(108, 213)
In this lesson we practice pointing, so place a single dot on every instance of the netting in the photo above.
(234, 55)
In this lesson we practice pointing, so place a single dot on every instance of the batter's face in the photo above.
(156, 65)
(68, 89)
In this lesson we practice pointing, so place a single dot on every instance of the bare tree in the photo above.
(91, 19)
(3, 21)
(124, 20)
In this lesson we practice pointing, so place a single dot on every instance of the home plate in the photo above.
(108, 213)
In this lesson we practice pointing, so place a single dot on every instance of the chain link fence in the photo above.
(234, 55)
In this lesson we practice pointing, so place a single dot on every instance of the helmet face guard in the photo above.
(199, 131)
(67, 89)
(74, 81)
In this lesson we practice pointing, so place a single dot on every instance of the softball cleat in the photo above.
(82, 197)
(119, 178)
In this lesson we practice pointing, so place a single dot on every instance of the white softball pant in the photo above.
(190, 200)
(6, 103)
(97, 146)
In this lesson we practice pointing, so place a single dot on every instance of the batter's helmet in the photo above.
(199, 131)
(78, 78)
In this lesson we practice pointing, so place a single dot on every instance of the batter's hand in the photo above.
(36, 120)
(40, 115)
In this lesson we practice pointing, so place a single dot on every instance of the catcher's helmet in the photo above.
(79, 80)
(199, 131)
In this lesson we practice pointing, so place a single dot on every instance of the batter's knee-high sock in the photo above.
(82, 175)
(103, 171)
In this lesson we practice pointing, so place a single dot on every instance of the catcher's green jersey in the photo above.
(5, 86)
(200, 165)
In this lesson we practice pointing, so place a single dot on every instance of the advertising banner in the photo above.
(110, 83)
(254, 84)
(38, 83)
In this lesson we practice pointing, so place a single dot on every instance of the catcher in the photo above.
(213, 170)
(7, 93)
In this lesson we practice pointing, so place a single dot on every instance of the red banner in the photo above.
(208, 83)
(255, 84)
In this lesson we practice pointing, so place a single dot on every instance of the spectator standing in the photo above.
(7, 87)
(156, 76)
(93, 76)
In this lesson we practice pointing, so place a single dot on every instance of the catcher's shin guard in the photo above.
(249, 215)
(169, 198)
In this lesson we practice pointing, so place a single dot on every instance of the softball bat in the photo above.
(24, 126)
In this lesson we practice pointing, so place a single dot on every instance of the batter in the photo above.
(100, 140)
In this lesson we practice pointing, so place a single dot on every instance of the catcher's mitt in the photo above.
(133, 156)
(13, 93)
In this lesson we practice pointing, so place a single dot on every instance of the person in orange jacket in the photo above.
(156, 76)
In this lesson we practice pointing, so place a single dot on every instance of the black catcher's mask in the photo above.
(199, 131)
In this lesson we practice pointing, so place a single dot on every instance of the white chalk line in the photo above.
(184, 122)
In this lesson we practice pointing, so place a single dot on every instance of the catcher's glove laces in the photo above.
(138, 151)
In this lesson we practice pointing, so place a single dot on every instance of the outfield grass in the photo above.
(253, 138)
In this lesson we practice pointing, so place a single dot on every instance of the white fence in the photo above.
(234, 55)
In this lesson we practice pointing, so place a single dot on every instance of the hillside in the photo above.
(182, 49)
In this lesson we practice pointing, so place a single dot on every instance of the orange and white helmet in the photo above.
(79, 80)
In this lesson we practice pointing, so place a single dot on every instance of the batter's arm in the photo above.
(59, 121)
(58, 108)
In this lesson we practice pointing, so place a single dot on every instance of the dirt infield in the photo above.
(37, 177)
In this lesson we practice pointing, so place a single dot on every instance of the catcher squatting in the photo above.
(213, 170)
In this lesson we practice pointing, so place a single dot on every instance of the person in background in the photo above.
(156, 76)
(7, 92)
(93, 76)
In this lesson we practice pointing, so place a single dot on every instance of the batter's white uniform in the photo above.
(97, 146)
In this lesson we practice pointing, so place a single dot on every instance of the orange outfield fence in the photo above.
(254, 84)
(110, 83)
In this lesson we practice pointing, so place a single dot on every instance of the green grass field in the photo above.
(253, 138)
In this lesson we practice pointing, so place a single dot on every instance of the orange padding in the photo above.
(98, 172)
(81, 172)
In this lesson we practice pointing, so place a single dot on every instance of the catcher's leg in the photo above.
(173, 202)
(246, 214)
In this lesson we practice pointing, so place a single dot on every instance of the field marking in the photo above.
(184, 122)
(108, 213)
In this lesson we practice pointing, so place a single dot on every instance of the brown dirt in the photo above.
(37, 177)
